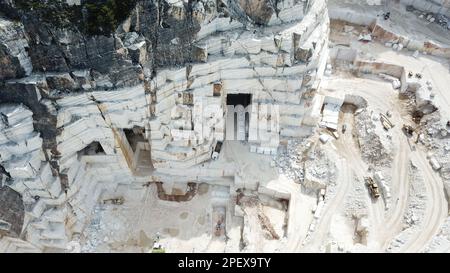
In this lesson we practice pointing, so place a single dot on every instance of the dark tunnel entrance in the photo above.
(239, 99)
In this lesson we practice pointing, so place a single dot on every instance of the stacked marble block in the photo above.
(16, 245)
(52, 214)
(31, 176)
(277, 64)
(98, 116)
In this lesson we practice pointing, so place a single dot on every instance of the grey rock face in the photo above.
(14, 59)
(11, 212)
(259, 11)
(60, 81)
(154, 34)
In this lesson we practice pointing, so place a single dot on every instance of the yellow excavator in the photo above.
(373, 187)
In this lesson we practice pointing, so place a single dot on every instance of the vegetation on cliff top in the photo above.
(92, 17)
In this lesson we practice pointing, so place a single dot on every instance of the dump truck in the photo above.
(373, 187)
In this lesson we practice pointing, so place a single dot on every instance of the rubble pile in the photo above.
(101, 234)
(441, 242)
(305, 163)
(373, 150)
(415, 212)
(290, 161)
(434, 134)
(320, 170)
(416, 198)
(356, 202)
(438, 18)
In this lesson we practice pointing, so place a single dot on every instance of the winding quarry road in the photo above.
(386, 223)
(436, 209)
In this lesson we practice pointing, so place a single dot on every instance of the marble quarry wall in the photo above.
(83, 113)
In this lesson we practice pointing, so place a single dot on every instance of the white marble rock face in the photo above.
(182, 111)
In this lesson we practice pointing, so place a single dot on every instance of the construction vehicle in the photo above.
(219, 228)
(158, 248)
(373, 187)
(322, 194)
(408, 130)
(215, 153)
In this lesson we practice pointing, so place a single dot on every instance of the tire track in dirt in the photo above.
(436, 209)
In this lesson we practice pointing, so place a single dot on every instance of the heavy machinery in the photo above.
(322, 194)
(373, 187)
(216, 151)
(408, 130)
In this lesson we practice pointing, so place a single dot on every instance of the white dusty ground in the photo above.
(412, 218)
(187, 226)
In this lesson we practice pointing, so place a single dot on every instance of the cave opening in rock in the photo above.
(134, 136)
(239, 99)
(94, 148)
(138, 150)
(238, 116)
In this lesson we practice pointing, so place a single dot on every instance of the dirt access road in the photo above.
(386, 224)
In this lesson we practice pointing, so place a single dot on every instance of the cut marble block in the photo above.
(17, 132)
(218, 25)
(25, 166)
(14, 114)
